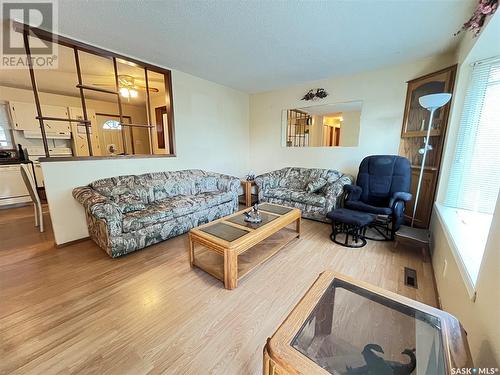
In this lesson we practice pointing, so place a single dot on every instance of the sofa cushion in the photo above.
(296, 178)
(163, 188)
(316, 184)
(207, 184)
(115, 187)
(279, 193)
(162, 185)
(173, 207)
(308, 198)
(296, 196)
(129, 203)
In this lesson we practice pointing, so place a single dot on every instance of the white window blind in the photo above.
(5, 132)
(474, 179)
(475, 173)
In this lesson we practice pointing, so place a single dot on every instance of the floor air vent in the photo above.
(411, 277)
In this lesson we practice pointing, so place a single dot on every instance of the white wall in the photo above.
(211, 133)
(383, 94)
(479, 317)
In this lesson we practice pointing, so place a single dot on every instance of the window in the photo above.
(112, 125)
(122, 85)
(5, 132)
(475, 171)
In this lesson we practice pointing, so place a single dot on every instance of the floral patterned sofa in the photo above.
(315, 191)
(127, 213)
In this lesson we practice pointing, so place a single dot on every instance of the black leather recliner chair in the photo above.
(382, 188)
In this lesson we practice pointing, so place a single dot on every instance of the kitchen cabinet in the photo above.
(79, 134)
(24, 117)
(12, 187)
(56, 126)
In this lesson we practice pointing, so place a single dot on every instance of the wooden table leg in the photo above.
(297, 227)
(191, 251)
(248, 194)
(395, 246)
(230, 269)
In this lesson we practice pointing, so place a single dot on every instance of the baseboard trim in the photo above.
(65, 244)
(5, 206)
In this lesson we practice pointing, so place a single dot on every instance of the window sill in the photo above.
(467, 233)
(107, 157)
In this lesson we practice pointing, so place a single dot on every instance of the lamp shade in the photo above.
(434, 101)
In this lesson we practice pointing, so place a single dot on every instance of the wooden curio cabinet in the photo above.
(413, 133)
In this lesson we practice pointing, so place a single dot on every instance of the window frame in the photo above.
(446, 218)
(28, 30)
(8, 131)
(118, 126)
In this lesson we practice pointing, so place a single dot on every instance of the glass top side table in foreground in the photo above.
(344, 326)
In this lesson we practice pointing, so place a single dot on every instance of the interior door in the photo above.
(110, 133)
(160, 113)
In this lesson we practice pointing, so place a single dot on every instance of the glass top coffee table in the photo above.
(344, 326)
(229, 248)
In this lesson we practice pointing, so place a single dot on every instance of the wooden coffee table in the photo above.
(231, 247)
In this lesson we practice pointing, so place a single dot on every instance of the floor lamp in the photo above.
(430, 102)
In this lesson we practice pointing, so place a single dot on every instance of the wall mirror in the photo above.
(325, 125)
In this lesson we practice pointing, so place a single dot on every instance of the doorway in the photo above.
(110, 133)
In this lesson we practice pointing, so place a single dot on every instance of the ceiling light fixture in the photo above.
(128, 93)
(124, 92)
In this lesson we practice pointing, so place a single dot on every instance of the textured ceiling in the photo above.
(257, 46)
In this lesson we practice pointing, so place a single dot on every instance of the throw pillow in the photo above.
(316, 184)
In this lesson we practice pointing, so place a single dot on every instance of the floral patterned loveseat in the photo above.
(127, 213)
(315, 191)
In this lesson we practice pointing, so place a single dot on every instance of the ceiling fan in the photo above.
(128, 86)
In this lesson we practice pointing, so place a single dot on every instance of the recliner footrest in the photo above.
(351, 223)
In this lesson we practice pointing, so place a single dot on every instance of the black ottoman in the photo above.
(351, 223)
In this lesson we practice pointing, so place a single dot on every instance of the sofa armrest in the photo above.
(334, 191)
(100, 207)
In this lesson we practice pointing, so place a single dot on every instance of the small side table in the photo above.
(416, 237)
(249, 198)
(342, 325)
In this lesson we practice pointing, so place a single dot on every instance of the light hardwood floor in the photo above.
(75, 310)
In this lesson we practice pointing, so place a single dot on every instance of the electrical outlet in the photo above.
(445, 268)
